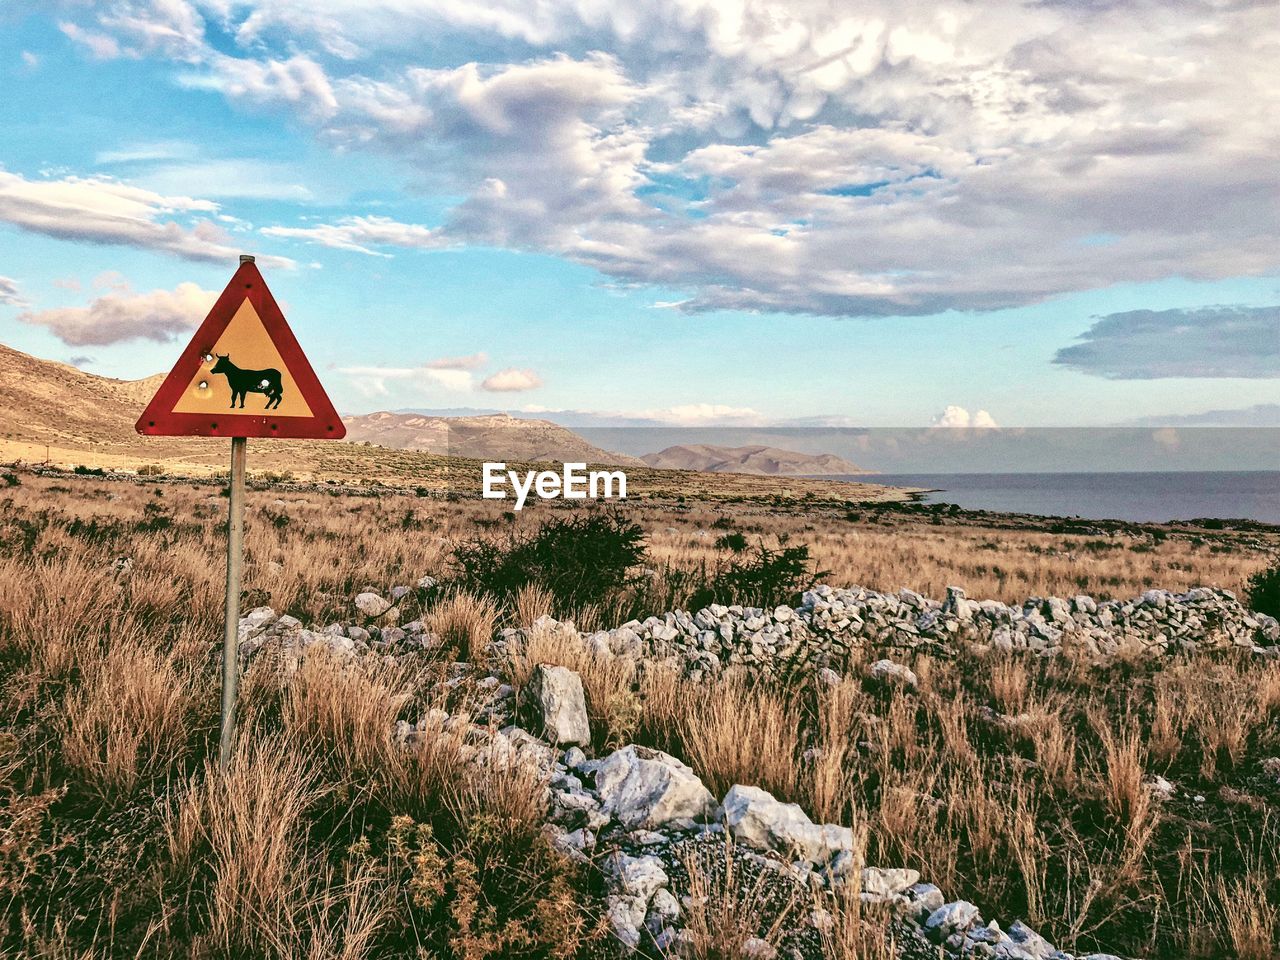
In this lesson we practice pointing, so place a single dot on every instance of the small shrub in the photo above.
(495, 890)
(734, 542)
(151, 470)
(1264, 591)
(155, 518)
(580, 561)
(767, 578)
(10, 479)
(84, 471)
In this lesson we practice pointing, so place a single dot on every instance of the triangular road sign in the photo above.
(242, 375)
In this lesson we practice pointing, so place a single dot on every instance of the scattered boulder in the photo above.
(753, 816)
(888, 882)
(640, 877)
(955, 917)
(560, 705)
(371, 604)
(754, 948)
(626, 917)
(647, 789)
(886, 671)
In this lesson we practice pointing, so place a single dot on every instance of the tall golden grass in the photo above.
(1020, 784)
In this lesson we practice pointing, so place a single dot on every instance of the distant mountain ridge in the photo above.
(485, 437)
(760, 460)
(47, 402)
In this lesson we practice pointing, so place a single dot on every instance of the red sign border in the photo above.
(159, 418)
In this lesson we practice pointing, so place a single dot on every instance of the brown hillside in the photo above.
(497, 436)
(68, 417)
(765, 461)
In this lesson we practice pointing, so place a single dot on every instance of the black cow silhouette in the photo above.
(250, 381)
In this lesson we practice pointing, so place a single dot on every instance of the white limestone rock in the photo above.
(648, 789)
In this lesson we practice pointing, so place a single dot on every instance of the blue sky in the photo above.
(687, 213)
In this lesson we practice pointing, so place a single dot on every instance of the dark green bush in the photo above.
(732, 541)
(768, 578)
(1264, 591)
(581, 560)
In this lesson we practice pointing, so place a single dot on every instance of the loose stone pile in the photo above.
(646, 821)
(642, 816)
(829, 623)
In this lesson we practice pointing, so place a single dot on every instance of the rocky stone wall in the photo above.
(830, 622)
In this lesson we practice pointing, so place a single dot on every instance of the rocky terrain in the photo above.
(782, 772)
(767, 461)
(497, 436)
(55, 403)
(642, 817)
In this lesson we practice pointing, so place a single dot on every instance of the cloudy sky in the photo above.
(1059, 212)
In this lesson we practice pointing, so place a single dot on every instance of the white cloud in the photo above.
(512, 380)
(178, 166)
(802, 157)
(375, 381)
(161, 315)
(170, 27)
(101, 210)
(148, 151)
(958, 417)
(361, 234)
(451, 374)
(472, 362)
(298, 81)
(703, 414)
(30, 60)
(10, 295)
(135, 28)
(112, 280)
(100, 46)
(252, 179)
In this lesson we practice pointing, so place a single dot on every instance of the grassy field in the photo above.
(1019, 784)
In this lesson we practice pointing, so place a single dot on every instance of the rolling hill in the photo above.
(58, 415)
(759, 460)
(487, 437)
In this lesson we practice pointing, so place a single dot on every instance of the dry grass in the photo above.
(1251, 917)
(1017, 783)
(741, 732)
(130, 721)
(464, 623)
(246, 826)
(1047, 811)
(726, 908)
(343, 715)
(855, 929)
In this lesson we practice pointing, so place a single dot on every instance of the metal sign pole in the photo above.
(235, 560)
(192, 402)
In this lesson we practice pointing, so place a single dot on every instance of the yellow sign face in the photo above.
(243, 371)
